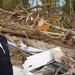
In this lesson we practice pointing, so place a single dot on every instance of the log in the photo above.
(6, 11)
(38, 6)
(33, 34)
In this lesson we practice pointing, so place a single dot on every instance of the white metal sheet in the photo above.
(38, 60)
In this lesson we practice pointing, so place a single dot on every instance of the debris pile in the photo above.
(32, 58)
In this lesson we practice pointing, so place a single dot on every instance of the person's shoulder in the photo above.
(2, 37)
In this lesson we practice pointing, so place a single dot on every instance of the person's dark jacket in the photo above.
(5, 63)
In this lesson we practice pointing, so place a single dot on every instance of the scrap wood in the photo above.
(24, 10)
(55, 34)
(5, 11)
(12, 13)
(21, 16)
(39, 6)
(29, 32)
(27, 37)
(42, 25)
(62, 29)
(26, 41)
(41, 22)
(35, 20)
(43, 35)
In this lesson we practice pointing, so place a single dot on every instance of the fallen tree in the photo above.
(31, 33)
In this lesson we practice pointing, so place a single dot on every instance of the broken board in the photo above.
(38, 60)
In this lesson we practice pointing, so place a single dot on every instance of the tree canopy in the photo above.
(11, 4)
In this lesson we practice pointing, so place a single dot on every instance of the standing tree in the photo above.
(25, 3)
(69, 7)
(9, 4)
(73, 5)
(1, 1)
(52, 6)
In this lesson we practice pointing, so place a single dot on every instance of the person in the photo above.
(5, 63)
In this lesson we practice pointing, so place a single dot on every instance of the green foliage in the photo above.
(51, 20)
(66, 7)
(12, 4)
(47, 1)
(1, 3)
(73, 4)
(25, 3)
(66, 23)
(9, 4)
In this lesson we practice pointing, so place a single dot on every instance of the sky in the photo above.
(62, 2)
(39, 2)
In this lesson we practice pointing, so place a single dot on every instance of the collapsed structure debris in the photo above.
(48, 57)
(25, 56)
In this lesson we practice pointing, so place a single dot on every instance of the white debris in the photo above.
(34, 49)
(19, 71)
(22, 45)
(38, 60)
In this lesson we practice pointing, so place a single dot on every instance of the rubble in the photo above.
(18, 52)
(19, 71)
(37, 59)
(46, 56)
(58, 54)
(42, 25)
